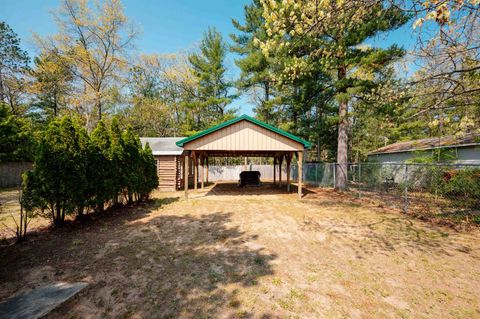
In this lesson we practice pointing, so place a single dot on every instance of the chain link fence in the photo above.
(450, 191)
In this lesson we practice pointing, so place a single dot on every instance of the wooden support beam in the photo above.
(202, 172)
(288, 158)
(185, 173)
(195, 170)
(280, 161)
(274, 170)
(300, 173)
(206, 159)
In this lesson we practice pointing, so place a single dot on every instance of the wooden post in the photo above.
(300, 173)
(195, 170)
(288, 157)
(206, 159)
(280, 161)
(185, 173)
(274, 169)
(202, 159)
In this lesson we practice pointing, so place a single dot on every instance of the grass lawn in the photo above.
(220, 255)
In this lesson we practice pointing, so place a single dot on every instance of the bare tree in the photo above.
(94, 40)
(22, 221)
(447, 54)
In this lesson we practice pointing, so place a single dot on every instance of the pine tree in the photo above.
(117, 155)
(13, 64)
(52, 83)
(100, 169)
(60, 169)
(305, 37)
(149, 173)
(16, 137)
(253, 64)
(214, 88)
(132, 159)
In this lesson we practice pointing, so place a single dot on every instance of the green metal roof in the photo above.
(305, 143)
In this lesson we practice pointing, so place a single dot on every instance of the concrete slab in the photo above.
(39, 301)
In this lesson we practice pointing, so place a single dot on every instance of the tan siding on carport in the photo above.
(244, 136)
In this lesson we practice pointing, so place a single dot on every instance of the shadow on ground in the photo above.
(164, 266)
(385, 232)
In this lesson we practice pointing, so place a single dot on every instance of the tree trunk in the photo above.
(12, 105)
(55, 106)
(25, 222)
(342, 140)
(267, 92)
(57, 216)
(2, 92)
(80, 210)
(99, 106)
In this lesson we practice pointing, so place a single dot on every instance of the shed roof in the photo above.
(244, 117)
(465, 140)
(163, 145)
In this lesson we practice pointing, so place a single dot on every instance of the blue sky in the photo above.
(167, 26)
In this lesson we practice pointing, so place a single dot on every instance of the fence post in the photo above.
(405, 181)
(334, 174)
(359, 179)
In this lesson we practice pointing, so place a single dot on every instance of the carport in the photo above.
(242, 136)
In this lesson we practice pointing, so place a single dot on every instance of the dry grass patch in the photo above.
(10, 211)
(271, 256)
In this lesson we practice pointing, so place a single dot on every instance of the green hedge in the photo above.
(74, 172)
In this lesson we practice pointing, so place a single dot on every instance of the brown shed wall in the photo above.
(167, 172)
(170, 172)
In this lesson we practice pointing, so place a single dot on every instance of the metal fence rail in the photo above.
(445, 189)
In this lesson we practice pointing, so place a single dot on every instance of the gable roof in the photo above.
(244, 117)
(470, 139)
(163, 145)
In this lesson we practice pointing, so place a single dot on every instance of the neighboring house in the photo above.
(169, 160)
(461, 150)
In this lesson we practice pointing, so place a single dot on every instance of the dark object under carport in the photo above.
(249, 178)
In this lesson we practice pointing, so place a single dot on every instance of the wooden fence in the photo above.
(11, 173)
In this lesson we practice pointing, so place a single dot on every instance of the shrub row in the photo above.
(75, 172)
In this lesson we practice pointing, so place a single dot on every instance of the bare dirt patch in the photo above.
(221, 255)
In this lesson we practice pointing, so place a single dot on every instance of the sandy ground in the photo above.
(254, 253)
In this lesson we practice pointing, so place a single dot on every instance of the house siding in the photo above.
(464, 155)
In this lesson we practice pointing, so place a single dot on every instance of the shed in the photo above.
(464, 149)
(168, 159)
